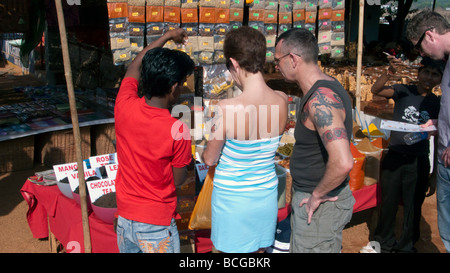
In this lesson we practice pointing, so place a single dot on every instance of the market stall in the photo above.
(134, 24)
(54, 204)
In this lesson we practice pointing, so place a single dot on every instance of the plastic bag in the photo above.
(201, 215)
(357, 173)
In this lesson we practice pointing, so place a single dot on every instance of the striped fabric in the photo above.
(247, 165)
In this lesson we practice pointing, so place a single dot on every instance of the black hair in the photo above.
(300, 41)
(162, 68)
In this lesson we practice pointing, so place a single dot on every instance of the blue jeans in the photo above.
(137, 237)
(443, 204)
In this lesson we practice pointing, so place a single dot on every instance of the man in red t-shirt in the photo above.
(153, 148)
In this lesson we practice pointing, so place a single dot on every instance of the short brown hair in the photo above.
(247, 46)
(423, 21)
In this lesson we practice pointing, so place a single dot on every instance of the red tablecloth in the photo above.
(64, 218)
(367, 197)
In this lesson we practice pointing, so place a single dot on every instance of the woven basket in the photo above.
(17, 154)
(102, 137)
(59, 147)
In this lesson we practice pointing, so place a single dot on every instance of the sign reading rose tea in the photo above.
(101, 160)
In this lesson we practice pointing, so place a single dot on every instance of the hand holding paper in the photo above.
(406, 127)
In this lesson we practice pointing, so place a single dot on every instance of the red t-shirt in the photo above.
(149, 142)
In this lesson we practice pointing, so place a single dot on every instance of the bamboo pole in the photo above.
(359, 58)
(75, 125)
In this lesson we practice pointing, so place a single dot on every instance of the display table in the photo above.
(50, 209)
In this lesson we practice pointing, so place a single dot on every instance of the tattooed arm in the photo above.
(325, 114)
(217, 137)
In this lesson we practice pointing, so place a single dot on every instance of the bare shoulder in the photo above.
(227, 103)
(282, 95)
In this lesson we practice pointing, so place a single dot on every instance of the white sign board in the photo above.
(98, 188)
(62, 170)
(73, 177)
(101, 160)
(111, 170)
(202, 171)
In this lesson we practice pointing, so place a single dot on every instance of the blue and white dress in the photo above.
(244, 201)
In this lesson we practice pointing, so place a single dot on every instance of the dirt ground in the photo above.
(16, 236)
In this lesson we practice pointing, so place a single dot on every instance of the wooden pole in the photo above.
(75, 125)
(360, 51)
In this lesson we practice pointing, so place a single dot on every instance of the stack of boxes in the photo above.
(136, 28)
(118, 31)
(263, 16)
(205, 21)
(324, 26)
(186, 198)
(337, 29)
(135, 23)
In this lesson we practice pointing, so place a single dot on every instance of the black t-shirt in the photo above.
(309, 158)
(411, 107)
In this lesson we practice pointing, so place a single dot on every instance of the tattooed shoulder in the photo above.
(322, 104)
(333, 134)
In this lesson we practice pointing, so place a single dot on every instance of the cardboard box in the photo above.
(117, 10)
(155, 13)
(236, 15)
(298, 15)
(207, 15)
(338, 15)
(310, 17)
(270, 16)
(189, 15)
(222, 16)
(172, 14)
(324, 13)
(136, 14)
(256, 15)
(223, 4)
(172, 3)
(285, 17)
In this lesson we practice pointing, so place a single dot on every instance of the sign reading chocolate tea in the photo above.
(98, 188)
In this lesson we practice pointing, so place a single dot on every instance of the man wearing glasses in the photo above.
(322, 202)
(430, 33)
